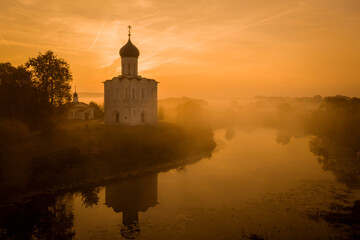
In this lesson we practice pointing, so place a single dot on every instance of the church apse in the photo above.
(129, 94)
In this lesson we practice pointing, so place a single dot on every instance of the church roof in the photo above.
(129, 50)
(120, 78)
(79, 105)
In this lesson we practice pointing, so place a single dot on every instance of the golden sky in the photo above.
(196, 48)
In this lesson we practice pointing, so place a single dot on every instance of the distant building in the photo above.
(130, 99)
(79, 110)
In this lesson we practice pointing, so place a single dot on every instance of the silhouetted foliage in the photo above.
(342, 160)
(48, 217)
(336, 125)
(78, 162)
(31, 94)
(338, 118)
(89, 196)
(20, 99)
(98, 110)
(82, 153)
(52, 76)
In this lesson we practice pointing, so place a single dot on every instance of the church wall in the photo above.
(130, 98)
(83, 113)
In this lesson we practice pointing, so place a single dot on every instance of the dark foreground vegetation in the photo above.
(36, 93)
(82, 152)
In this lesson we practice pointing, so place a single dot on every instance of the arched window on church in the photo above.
(133, 93)
(129, 69)
(126, 93)
(142, 94)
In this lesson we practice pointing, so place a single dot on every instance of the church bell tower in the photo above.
(129, 58)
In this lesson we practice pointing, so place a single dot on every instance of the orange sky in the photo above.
(203, 49)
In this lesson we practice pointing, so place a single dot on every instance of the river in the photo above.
(251, 188)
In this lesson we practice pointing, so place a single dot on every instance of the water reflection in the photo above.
(130, 197)
(48, 217)
(52, 216)
(341, 158)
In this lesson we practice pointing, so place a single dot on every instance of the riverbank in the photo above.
(80, 152)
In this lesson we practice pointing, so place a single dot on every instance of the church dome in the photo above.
(75, 94)
(129, 50)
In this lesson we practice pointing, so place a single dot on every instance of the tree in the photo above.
(98, 110)
(19, 97)
(52, 76)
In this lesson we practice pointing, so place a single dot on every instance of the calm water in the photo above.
(251, 188)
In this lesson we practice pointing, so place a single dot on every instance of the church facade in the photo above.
(130, 99)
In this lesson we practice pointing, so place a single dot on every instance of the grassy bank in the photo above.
(88, 151)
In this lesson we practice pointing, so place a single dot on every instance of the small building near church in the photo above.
(79, 110)
(130, 99)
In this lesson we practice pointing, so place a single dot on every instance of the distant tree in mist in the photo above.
(161, 113)
(192, 114)
(98, 110)
(52, 76)
(338, 118)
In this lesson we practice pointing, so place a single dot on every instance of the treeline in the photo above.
(336, 143)
(338, 119)
(36, 91)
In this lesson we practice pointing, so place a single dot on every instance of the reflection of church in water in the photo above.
(129, 197)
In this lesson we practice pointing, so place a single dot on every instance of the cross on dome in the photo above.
(129, 49)
(129, 27)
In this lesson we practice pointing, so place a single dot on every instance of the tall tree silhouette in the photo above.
(20, 99)
(52, 75)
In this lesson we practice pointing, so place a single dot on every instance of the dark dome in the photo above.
(129, 50)
(75, 94)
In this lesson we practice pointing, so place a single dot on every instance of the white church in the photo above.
(79, 110)
(130, 99)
